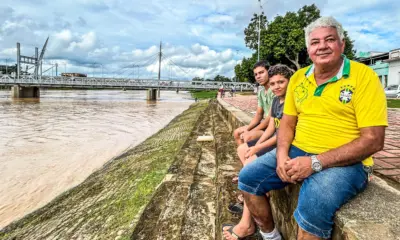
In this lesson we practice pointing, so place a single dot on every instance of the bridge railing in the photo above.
(120, 82)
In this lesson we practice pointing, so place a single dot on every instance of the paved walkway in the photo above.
(387, 161)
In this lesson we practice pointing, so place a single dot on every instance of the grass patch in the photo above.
(204, 94)
(393, 103)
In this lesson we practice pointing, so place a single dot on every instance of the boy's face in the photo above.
(261, 75)
(278, 85)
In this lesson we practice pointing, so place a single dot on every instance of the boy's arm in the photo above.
(256, 119)
(269, 131)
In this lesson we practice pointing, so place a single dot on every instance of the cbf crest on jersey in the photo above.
(346, 93)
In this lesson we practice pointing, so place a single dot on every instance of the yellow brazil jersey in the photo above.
(331, 115)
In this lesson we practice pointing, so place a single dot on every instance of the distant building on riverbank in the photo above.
(385, 64)
(7, 69)
(73, 75)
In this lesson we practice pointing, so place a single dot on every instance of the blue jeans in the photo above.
(321, 194)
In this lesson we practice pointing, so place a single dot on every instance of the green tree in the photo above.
(244, 70)
(220, 78)
(348, 48)
(198, 79)
(282, 40)
(251, 32)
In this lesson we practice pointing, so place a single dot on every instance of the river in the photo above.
(51, 144)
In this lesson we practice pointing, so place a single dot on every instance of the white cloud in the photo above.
(10, 52)
(202, 37)
(87, 42)
(219, 19)
(64, 35)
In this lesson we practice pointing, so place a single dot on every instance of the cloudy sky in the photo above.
(200, 37)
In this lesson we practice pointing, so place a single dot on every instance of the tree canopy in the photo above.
(282, 41)
(218, 78)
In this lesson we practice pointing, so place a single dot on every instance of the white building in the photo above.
(394, 67)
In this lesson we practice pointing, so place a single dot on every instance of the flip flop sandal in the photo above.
(234, 235)
(236, 208)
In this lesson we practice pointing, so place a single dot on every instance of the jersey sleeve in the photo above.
(259, 99)
(369, 101)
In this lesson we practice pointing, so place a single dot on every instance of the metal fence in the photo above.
(98, 83)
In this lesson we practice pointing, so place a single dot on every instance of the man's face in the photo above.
(261, 75)
(278, 85)
(325, 47)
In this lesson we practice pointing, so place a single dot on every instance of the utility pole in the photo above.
(259, 31)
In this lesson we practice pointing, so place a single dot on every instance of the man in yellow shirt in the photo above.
(334, 120)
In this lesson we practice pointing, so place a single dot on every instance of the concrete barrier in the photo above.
(372, 215)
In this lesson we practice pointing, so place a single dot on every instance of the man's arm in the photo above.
(285, 138)
(370, 141)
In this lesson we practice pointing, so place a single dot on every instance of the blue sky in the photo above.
(200, 37)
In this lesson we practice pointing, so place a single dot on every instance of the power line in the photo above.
(147, 63)
(176, 65)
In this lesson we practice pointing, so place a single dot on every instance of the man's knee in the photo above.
(249, 136)
(238, 131)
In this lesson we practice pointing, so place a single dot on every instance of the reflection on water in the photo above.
(51, 144)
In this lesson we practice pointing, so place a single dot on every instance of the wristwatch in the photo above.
(316, 164)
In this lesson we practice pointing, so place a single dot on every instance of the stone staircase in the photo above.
(191, 202)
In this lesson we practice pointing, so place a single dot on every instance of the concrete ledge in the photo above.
(233, 116)
(373, 214)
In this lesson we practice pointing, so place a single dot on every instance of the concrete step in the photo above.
(164, 215)
(192, 202)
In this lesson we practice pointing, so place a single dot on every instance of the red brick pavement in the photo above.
(387, 161)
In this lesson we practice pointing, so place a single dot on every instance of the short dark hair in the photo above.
(280, 69)
(261, 63)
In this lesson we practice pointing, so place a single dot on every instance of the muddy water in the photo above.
(50, 145)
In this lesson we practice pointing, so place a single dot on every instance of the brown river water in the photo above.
(52, 144)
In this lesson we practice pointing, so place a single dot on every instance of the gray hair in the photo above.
(324, 22)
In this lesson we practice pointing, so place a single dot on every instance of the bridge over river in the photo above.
(29, 86)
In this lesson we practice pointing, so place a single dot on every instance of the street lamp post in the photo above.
(93, 67)
(259, 30)
(7, 65)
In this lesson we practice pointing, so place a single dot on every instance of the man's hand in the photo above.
(280, 168)
(251, 151)
(298, 168)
